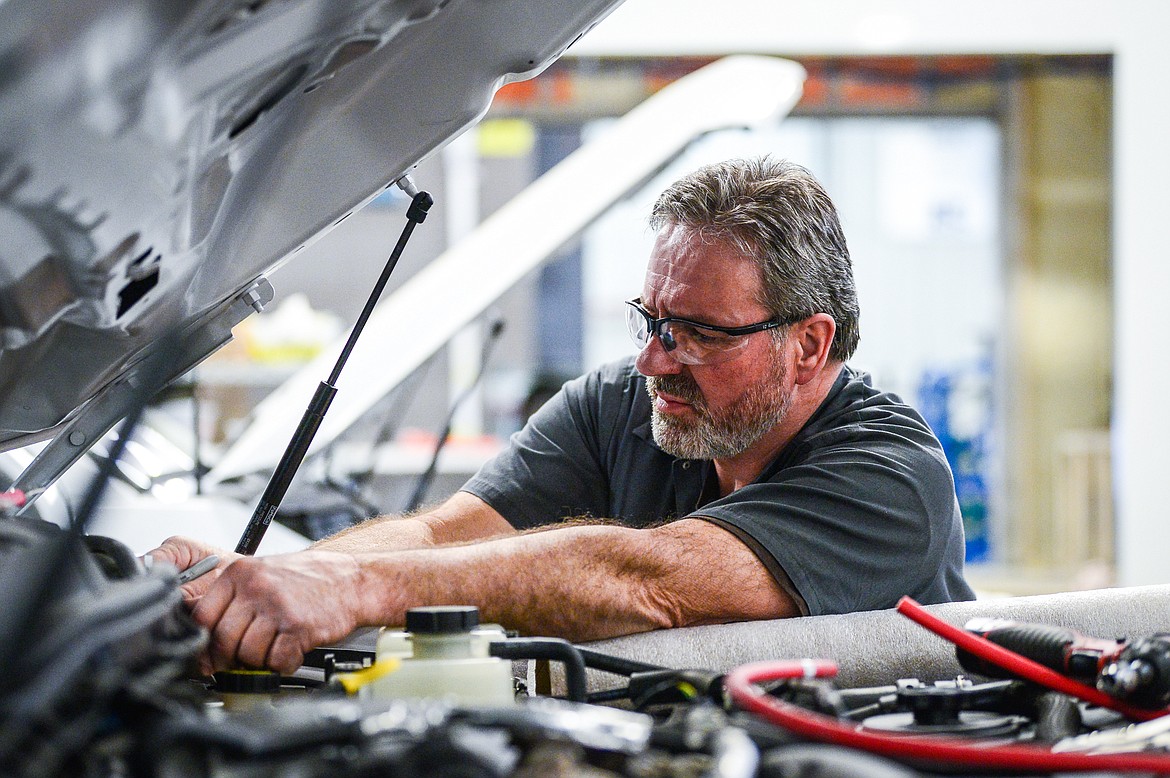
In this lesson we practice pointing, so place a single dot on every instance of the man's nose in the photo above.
(654, 360)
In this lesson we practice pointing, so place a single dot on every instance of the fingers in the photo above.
(211, 611)
(267, 613)
(285, 655)
(256, 643)
(194, 590)
(242, 629)
(183, 552)
(259, 646)
(174, 551)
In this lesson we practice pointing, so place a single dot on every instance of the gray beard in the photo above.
(718, 434)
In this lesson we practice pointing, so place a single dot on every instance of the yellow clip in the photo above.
(351, 682)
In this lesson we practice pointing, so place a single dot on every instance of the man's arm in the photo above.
(462, 518)
(580, 582)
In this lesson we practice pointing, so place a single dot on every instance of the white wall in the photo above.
(1134, 31)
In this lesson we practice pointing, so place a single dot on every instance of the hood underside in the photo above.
(158, 158)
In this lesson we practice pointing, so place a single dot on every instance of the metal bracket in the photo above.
(107, 407)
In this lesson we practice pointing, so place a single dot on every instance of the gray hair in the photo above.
(775, 212)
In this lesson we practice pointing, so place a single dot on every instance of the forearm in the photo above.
(577, 582)
(580, 582)
(383, 533)
(513, 583)
(461, 519)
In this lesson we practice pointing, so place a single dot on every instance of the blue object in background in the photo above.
(965, 446)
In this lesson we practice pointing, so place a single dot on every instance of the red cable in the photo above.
(740, 685)
(1020, 665)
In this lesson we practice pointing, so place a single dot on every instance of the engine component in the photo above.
(448, 658)
(947, 708)
(1141, 673)
(109, 642)
(1063, 650)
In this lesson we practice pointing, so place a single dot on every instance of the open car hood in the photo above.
(158, 158)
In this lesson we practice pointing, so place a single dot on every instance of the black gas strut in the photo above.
(311, 421)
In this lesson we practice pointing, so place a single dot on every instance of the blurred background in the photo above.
(1000, 169)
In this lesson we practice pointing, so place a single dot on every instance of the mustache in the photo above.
(681, 386)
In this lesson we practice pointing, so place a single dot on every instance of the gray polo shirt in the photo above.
(857, 510)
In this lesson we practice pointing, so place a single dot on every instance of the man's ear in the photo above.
(812, 338)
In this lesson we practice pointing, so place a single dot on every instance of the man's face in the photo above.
(712, 411)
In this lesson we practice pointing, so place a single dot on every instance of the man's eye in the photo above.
(705, 336)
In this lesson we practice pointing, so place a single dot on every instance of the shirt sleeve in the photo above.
(855, 525)
(550, 469)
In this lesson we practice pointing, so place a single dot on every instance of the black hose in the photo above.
(548, 648)
(609, 695)
(616, 664)
(1057, 717)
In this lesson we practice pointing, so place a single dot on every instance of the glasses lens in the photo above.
(638, 325)
(699, 344)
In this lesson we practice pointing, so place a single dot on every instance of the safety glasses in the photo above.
(691, 342)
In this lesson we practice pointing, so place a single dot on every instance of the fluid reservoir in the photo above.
(448, 659)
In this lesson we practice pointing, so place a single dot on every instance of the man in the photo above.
(737, 469)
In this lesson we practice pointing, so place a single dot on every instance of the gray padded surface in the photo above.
(879, 647)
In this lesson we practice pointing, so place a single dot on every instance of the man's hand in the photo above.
(184, 552)
(268, 612)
